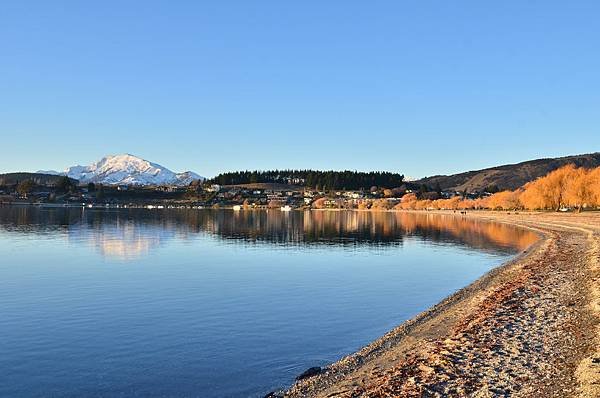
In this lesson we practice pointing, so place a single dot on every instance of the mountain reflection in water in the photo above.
(134, 233)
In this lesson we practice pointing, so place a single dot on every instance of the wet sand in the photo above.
(530, 328)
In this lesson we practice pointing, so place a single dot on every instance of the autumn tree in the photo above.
(381, 204)
(594, 178)
(453, 203)
(409, 197)
(550, 191)
(504, 200)
(423, 204)
(580, 189)
(532, 196)
(408, 201)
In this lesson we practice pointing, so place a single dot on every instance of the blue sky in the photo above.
(418, 87)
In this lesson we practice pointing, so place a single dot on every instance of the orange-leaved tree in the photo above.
(594, 180)
(548, 192)
(504, 200)
(580, 189)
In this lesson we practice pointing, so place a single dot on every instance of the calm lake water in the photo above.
(216, 303)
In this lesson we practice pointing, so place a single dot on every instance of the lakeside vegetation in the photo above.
(568, 187)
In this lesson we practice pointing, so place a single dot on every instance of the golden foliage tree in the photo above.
(580, 189)
(381, 204)
(504, 200)
(549, 192)
(594, 179)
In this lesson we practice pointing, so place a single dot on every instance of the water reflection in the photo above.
(133, 233)
(216, 303)
(126, 241)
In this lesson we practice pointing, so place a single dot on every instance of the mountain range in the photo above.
(126, 169)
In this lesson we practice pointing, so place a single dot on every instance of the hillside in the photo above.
(9, 179)
(510, 176)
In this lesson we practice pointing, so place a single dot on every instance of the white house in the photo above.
(214, 188)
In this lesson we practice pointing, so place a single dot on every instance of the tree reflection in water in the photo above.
(132, 233)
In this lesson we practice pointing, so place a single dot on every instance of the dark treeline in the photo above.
(49, 180)
(314, 179)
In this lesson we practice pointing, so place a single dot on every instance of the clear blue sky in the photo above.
(419, 87)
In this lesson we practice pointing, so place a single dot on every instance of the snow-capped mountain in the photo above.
(127, 169)
(187, 177)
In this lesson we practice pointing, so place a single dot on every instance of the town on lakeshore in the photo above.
(568, 183)
(61, 190)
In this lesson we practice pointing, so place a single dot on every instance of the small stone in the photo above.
(275, 394)
(310, 372)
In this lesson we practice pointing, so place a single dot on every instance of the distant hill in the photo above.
(509, 176)
(38, 178)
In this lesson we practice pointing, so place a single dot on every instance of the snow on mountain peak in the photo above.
(127, 169)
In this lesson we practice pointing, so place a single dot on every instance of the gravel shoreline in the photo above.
(529, 328)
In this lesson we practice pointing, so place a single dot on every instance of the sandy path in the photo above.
(530, 328)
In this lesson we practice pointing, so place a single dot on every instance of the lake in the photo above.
(216, 303)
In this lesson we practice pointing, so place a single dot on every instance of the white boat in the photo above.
(286, 208)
